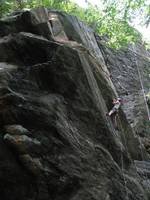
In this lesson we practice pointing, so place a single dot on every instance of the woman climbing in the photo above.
(113, 112)
(117, 103)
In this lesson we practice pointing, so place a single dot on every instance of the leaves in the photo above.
(112, 19)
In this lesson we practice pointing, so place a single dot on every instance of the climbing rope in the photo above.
(141, 55)
(142, 154)
(110, 124)
(122, 163)
(124, 179)
(141, 83)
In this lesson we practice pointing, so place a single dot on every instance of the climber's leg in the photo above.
(115, 122)
(113, 118)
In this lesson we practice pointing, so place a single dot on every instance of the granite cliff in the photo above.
(57, 82)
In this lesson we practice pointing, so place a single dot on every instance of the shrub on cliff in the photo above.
(112, 19)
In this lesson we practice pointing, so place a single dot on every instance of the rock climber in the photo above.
(113, 112)
(117, 103)
(147, 96)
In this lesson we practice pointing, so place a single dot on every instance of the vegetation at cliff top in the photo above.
(113, 19)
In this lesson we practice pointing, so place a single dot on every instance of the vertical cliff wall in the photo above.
(55, 89)
(129, 70)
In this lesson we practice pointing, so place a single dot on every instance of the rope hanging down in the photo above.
(122, 161)
(141, 55)
(141, 83)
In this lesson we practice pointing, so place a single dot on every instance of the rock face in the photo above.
(56, 141)
(129, 70)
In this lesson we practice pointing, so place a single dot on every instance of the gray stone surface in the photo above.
(126, 69)
(56, 141)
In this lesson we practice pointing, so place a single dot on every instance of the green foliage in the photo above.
(112, 19)
(5, 7)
